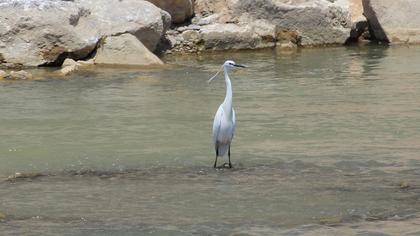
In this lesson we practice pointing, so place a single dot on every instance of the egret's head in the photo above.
(228, 64)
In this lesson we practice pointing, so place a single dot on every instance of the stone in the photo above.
(69, 62)
(317, 22)
(171, 40)
(3, 74)
(404, 185)
(193, 27)
(205, 8)
(69, 69)
(180, 10)
(20, 75)
(191, 35)
(2, 217)
(34, 33)
(171, 32)
(181, 29)
(208, 20)
(219, 36)
(330, 220)
(228, 36)
(140, 18)
(125, 49)
(266, 31)
(393, 21)
(286, 45)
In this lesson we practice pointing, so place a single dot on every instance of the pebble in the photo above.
(171, 32)
(3, 74)
(181, 29)
(172, 40)
(69, 69)
(404, 185)
(194, 27)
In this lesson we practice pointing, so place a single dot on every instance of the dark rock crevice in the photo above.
(376, 31)
(76, 55)
(358, 33)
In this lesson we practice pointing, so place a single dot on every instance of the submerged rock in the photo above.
(34, 33)
(333, 220)
(70, 62)
(86, 63)
(404, 185)
(19, 75)
(393, 21)
(70, 69)
(125, 49)
(3, 74)
(23, 176)
(70, 66)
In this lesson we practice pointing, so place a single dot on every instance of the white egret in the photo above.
(224, 120)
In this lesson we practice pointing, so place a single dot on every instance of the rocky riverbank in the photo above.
(130, 32)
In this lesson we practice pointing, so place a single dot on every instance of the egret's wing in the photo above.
(233, 122)
(217, 123)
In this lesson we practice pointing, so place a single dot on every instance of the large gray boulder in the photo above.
(317, 22)
(228, 36)
(140, 18)
(39, 32)
(180, 10)
(394, 21)
(125, 49)
(35, 33)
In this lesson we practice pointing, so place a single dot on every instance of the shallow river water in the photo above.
(327, 143)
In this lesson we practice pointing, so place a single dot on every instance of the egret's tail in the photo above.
(221, 149)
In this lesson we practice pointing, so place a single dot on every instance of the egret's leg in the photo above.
(215, 161)
(230, 163)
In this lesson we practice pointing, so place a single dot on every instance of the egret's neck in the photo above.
(227, 103)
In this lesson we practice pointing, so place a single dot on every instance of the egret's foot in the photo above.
(227, 165)
(224, 166)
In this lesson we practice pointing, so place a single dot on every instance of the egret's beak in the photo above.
(214, 76)
(239, 65)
